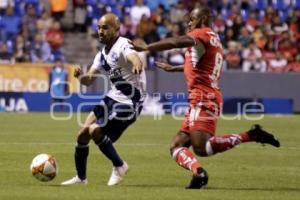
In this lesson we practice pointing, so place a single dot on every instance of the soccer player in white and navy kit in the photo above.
(120, 107)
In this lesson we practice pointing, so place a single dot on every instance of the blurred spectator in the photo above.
(45, 5)
(21, 50)
(137, 11)
(154, 4)
(238, 23)
(4, 4)
(174, 56)
(295, 65)
(55, 38)
(234, 13)
(232, 56)
(127, 29)
(158, 15)
(287, 46)
(29, 22)
(146, 30)
(44, 23)
(221, 6)
(163, 28)
(269, 15)
(11, 25)
(294, 23)
(219, 25)
(178, 12)
(40, 51)
(268, 51)
(277, 26)
(252, 57)
(190, 4)
(58, 8)
(80, 15)
(229, 36)
(174, 30)
(260, 36)
(5, 56)
(244, 37)
(58, 82)
(252, 21)
(278, 64)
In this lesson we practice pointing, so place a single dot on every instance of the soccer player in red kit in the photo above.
(202, 69)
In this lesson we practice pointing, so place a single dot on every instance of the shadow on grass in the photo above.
(283, 189)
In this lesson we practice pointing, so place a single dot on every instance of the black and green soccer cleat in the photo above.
(259, 135)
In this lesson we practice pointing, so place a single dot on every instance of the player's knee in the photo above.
(172, 148)
(92, 129)
(175, 145)
(96, 133)
(83, 136)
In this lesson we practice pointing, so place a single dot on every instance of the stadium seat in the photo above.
(117, 11)
(283, 15)
(19, 7)
(32, 2)
(260, 4)
(108, 2)
(261, 15)
(245, 14)
(296, 3)
(127, 3)
(280, 4)
(91, 2)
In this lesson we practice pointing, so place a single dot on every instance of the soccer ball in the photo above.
(44, 167)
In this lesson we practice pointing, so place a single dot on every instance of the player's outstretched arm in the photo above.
(169, 68)
(85, 79)
(137, 65)
(166, 44)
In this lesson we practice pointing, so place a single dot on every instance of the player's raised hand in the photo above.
(78, 72)
(137, 69)
(164, 66)
(138, 46)
(169, 68)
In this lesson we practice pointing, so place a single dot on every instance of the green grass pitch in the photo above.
(250, 171)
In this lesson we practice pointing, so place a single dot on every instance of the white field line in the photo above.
(122, 144)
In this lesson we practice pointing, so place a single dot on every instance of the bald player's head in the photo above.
(108, 28)
(110, 19)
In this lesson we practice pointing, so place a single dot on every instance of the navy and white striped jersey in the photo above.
(126, 87)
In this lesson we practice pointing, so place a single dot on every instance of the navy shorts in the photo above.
(115, 117)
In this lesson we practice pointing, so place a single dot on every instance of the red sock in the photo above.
(244, 137)
(225, 142)
(185, 158)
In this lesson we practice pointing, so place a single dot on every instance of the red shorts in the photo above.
(203, 114)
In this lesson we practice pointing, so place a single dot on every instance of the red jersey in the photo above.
(203, 72)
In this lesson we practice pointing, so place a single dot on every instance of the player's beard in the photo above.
(101, 39)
